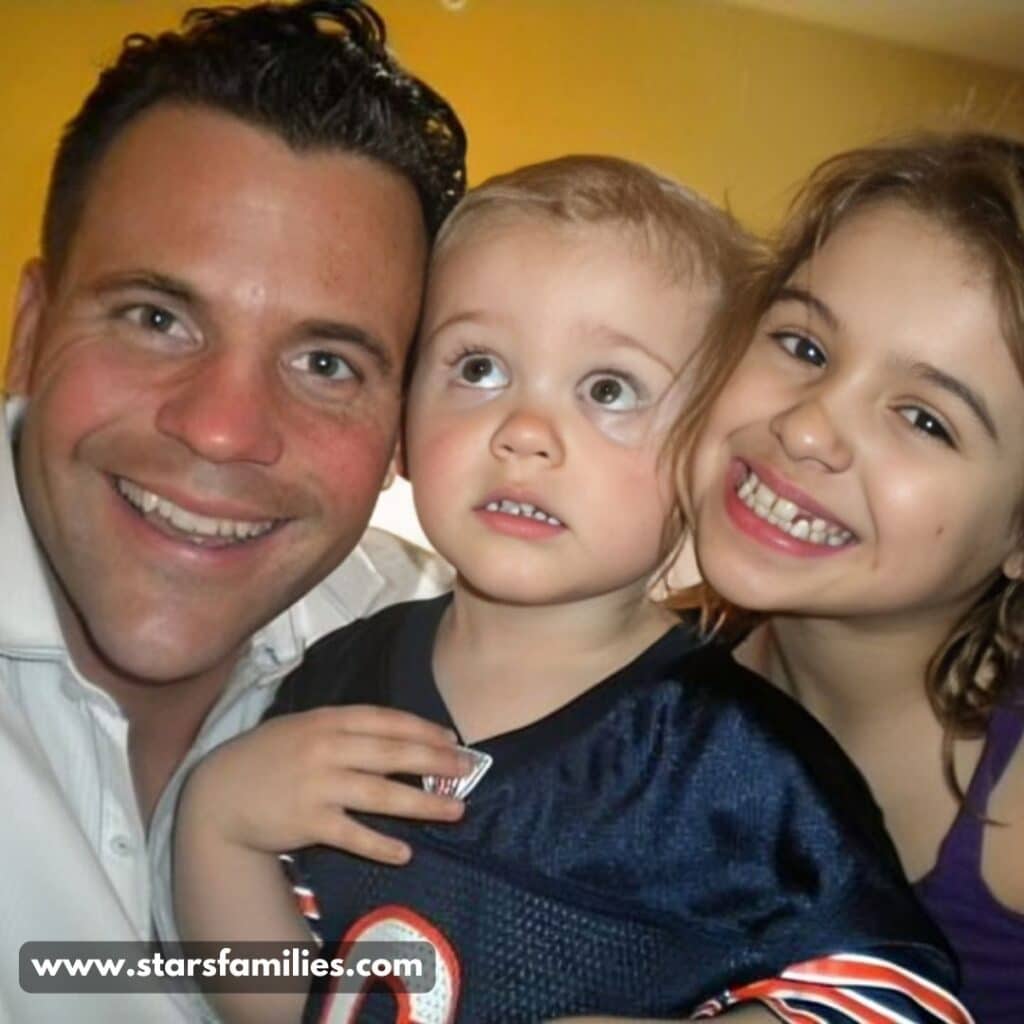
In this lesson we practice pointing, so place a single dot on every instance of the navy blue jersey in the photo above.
(681, 835)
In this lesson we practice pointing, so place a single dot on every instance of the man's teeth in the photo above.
(788, 516)
(195, 526)
(522, 508)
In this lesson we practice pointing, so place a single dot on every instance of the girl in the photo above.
(860, 483)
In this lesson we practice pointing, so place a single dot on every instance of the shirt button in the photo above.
(122, 846)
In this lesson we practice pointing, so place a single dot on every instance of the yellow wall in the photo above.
(737, 103)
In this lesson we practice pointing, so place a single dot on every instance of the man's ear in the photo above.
(1013, 565)
(398, 460)
(29, 307)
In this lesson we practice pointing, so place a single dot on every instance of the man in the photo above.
(204, 382)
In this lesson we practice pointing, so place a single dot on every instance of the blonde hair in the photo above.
(690, 236)
(972, 184)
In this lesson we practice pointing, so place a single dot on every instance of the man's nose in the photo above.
(224, 411)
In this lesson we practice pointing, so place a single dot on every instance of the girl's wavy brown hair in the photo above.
(972, 185)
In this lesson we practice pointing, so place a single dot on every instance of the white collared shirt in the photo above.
(74, 849)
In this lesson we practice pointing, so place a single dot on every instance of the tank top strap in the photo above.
(1005, 730)
(963, 841)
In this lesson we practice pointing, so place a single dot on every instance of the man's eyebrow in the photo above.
(793, 293)
(966, 394)
(338, 330)
(148, 280)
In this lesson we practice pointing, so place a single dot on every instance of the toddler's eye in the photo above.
(476, 370)
(928, 423)
(801, 347)
(610, 391)
(323, 364)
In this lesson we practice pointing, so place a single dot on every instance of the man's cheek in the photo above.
(347, 466)
(92, 395)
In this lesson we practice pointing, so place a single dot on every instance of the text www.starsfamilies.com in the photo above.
(257, 967)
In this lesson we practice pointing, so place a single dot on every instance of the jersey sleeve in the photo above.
(890, 987)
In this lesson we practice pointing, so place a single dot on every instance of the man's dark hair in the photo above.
(315, 73)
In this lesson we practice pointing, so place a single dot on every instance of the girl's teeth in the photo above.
(782, 514)
(764, 496)
(785, 510)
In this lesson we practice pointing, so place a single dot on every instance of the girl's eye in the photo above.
(610, 391)
(323, 364)
(155, 318)
(927, 423)
(801, 347)
(476, 370)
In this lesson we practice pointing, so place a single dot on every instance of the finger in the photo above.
(385, 756)
(374, 794)
(378, 721)
(346, 834)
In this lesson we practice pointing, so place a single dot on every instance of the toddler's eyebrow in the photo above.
(617, 337)
(467, 316)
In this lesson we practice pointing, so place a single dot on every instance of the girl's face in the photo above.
(867, 457)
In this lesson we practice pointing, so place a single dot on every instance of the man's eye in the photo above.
(801, 347)
(610, 391)
(328, 365)
(476, 370)
(928, 423)
(155, 318)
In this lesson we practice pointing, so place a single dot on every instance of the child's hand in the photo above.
(291, 781)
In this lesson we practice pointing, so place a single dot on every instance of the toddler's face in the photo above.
(548, 375)
(867, 457)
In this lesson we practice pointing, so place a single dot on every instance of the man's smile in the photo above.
(203, 531)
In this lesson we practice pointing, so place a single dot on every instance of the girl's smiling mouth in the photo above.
(788, 520)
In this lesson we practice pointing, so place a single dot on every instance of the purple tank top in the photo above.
(987, 936)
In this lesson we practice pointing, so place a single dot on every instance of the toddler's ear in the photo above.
(1013, 565)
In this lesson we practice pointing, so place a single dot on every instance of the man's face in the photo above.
(214, 384)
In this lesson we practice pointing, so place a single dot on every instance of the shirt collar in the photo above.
(29, 621)
(348, 593)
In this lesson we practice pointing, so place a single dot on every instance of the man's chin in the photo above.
(160, 657)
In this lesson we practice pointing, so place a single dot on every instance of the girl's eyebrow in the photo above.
(791, 293)
(956, 387)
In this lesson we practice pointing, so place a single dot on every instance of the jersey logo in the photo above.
(460, 786)
(400, 924)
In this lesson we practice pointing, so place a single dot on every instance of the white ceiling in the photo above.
(991, 31)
